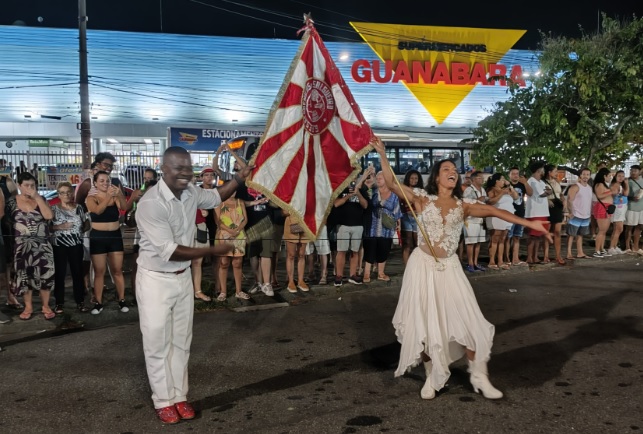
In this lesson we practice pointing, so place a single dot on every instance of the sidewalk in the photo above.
(37, 326)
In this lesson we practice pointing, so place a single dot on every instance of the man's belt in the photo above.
(173, 272)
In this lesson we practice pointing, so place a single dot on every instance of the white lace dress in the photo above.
(437, 311)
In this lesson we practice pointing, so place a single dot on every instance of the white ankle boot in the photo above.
(427, 391)
(480, 380)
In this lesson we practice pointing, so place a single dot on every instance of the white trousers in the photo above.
(166, 309)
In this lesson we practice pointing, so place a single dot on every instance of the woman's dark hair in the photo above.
(153, 172)
(407, 179)
(535, 166)
(26, 176)
(432, 183)
(600, 177)
(549, 168)
(493, 179)
(100, 172)
(614, 181)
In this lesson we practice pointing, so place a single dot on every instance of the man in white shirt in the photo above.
(165, 218)
(537, 208)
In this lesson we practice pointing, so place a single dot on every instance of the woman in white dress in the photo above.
(438, 319)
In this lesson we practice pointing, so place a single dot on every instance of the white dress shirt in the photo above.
(166, 222)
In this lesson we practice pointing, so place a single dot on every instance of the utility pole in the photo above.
(85, 128)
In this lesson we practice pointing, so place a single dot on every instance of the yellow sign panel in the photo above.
(439, 65)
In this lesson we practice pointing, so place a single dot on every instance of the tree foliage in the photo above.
(585, 106)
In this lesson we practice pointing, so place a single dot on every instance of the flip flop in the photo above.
(583, 257)
(49, 315)
(26, 316)
(385, 278)
(493, 267)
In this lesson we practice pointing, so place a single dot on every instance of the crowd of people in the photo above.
(82, 232)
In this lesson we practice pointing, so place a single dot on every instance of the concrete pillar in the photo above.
(97, 146)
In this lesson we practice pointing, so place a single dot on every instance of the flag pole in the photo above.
(420, 226)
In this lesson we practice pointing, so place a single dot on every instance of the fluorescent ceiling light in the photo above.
(148, 141)
(110, 140)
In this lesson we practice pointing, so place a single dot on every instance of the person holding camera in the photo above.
(634, 214)
(349, 217)
(501, 195)
(474, 232)
(556, 204)
(602, 210)
(106, 239)
(537, 209)
(34, 257)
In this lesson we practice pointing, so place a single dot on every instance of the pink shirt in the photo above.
(582, 204)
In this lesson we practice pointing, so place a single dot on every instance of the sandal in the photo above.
(366, 280)
(504, 266)
(323, 281)
(49, 315)
(222, 296)
(493, 266)
(25, 315)
(561, 261)
(16, 305)
(201, 297)
(384, 277)
(242, 296)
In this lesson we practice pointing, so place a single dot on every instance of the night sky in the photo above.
(281, 18)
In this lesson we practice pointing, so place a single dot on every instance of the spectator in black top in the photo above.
(256, 209)
(104, 161)
(350, 206)
(519, 184)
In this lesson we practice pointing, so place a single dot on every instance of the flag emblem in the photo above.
(313, 140)
(318, 106)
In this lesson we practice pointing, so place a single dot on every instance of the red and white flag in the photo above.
(314, 138)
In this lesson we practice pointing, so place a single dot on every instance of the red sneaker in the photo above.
(168, 415)
(185, 410)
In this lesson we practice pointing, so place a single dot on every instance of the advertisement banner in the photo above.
(203, 139)
(72, 173)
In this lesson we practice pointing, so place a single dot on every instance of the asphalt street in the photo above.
(567, 355)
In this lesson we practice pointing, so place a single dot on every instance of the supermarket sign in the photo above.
(72, 173)
(440, 66)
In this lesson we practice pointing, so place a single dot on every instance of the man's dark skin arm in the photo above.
(226, 190)
(184, 253)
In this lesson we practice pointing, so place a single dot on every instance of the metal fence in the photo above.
(129, 167)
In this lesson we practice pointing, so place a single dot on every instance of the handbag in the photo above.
(87, 223)
(201, 236)
(295, 228)
(610, 209)
(556, 201)
(388, 222)
(130, 219)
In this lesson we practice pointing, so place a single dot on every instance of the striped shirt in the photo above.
(68, 237)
